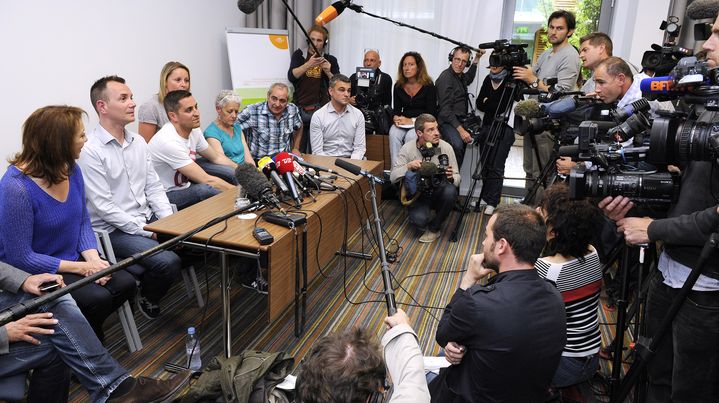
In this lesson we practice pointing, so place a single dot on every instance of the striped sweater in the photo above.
(580, 284)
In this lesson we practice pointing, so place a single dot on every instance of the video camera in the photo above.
(431, 175)
(377, 117)
(506, 54)
(662, 59)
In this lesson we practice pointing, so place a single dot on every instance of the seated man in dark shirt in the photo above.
(504, 340)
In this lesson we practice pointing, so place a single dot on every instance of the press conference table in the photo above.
(282, 254)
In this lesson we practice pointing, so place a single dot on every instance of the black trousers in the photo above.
(442, 201)
(493, 180)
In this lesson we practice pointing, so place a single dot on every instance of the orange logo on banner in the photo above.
(280, 41)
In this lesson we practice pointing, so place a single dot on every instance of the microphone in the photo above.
(306, 175)
(285, 167)
(427, 168)
(267, 166)
(528, 108)
(331, 12)
(703, 9)
(354, 169)
(313, 166)
(257, 186)
(248, 6)
(560, 107)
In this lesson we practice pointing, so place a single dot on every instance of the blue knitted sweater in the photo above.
(37, 231)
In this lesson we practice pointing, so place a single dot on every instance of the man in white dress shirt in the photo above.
(124, 192)
(337, 128)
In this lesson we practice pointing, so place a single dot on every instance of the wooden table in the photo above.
(329, 207)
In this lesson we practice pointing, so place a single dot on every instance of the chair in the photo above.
(127, 320)
(192, 286)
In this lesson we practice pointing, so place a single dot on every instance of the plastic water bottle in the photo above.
(194, 362)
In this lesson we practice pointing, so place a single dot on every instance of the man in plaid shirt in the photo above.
(274, 124)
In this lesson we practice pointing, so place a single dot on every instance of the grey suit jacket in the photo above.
(11, 280)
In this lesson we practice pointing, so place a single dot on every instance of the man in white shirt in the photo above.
(124, 192)
(174, 149)
(337, 128)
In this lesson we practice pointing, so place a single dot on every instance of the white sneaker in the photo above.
(488, 210)
(429, 236)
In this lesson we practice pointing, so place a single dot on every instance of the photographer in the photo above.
(382, 81)
(562, 62)
(686, 365)
(454, 99)
(489, 101)
(418, 160)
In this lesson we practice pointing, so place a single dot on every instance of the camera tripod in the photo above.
(489, 148)
(547, 174)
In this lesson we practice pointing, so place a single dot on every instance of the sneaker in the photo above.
(148, 309)
(259, 284)
(429, 236)
(488, 210)
(153, 390)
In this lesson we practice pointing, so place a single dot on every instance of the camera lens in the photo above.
(675, 140)
(647, 187)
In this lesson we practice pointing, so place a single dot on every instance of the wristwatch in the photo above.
(535, 83)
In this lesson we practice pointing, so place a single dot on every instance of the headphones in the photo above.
(465, 49)
(325, 32)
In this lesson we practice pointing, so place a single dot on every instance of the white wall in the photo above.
(53, 51)
(635, 26)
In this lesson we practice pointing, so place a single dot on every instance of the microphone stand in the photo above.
(359, 9)
(21, 309)
(386, 279)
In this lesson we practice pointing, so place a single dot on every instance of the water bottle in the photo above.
(194, 362)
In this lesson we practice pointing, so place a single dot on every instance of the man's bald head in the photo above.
(371, 59)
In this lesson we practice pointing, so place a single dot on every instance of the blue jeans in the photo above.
(451, 135)
(221, 171)
(574, 370)
(195, 193)
(73, 341)
(161, 269)
(442, 201)
(397, 138)
(686, 365)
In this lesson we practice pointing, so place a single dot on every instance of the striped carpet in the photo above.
(425, 277)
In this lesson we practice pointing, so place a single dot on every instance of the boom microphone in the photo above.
(285, 167)
(703, 9)
(528, 108)
(331, 12)
(256, 186)
(354, 169)
(248, 6)
(267, 166)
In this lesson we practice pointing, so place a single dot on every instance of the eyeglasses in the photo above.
(459, 60)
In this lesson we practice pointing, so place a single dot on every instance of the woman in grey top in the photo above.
(152, 116)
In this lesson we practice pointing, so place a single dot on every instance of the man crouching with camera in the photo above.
(429, 176)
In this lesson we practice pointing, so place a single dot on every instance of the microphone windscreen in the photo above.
(528, 108)
(284, 163)
(251, 181)
(702, 9)
(330, 13)
(657, 85)
(248, 6)
(427, 169)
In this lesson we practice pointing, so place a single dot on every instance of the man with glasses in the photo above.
(454, 100)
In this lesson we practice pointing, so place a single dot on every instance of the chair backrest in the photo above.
(104, 246)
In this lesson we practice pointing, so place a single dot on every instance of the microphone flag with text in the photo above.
(268, 167)
(285, 166)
